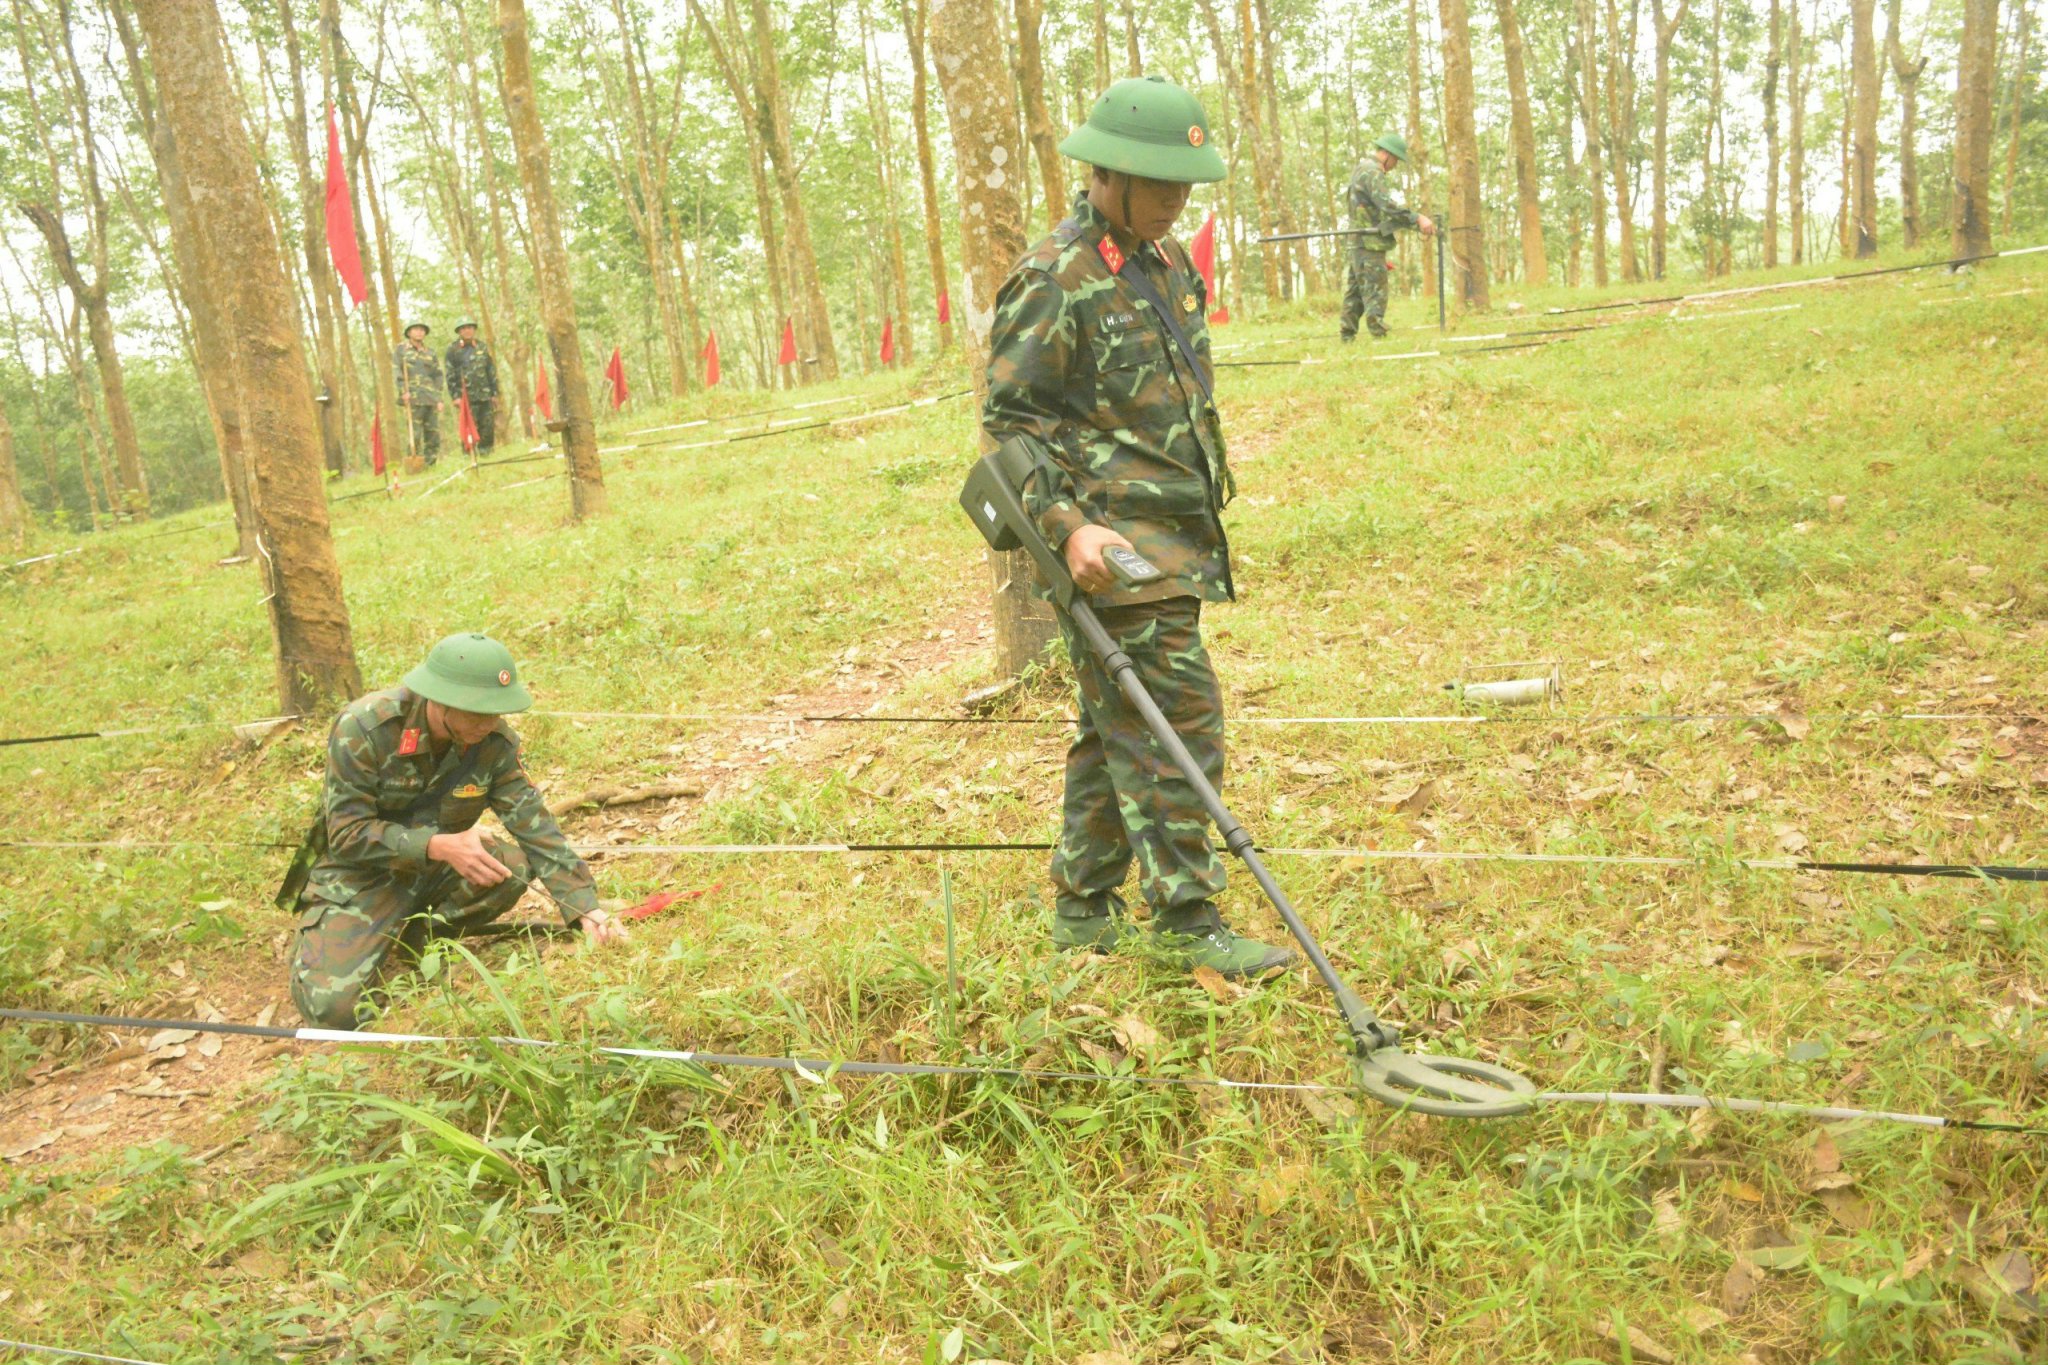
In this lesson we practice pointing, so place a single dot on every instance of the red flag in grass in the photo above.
(888, 341)
(711, 360)
(788, 356)
(465, 424)
(542, 399)
(377, 444)
(616, 373)
(341, 218)
(945, 308)
(662, 900)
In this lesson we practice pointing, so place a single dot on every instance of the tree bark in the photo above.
(1970, 215)
(1241, 75)
(1660, 220)
(967, 50)
(914, 15)
(557, 296)
(1467, 243)
(308, 618)
(1774, 62)
(340, 89)
(891, 205)
(647, 204)
(516, 349)
(1535, 263)
(1269, 82)
(1037, 118)
(1906, 75)
(2023, 21)
(1866, 76)
(1621, 130)
(814, 331)
(1418, 140)
(1845, 220)
(1134, 64)
(1589, 112)
(1795, 152)
(14, 518)
(739, 85)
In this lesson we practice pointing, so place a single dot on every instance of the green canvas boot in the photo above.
(1196, 936)
(1097, 925)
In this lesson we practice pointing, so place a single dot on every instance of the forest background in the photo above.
(734, 168)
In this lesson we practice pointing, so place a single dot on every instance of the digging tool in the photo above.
(1453, 1087)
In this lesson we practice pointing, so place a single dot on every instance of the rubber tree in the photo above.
(1970, 216)
(1906, 75)
(274, 390)
(1467, 244)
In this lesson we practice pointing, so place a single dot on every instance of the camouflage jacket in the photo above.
(418, 374)
(381, 760)
(471, 362)
(1376, 208)
(1081, 368)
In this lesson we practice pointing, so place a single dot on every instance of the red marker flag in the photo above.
(945, 308)
(1220, 316)
(615, 372)
(377, 444)
(788, 356)
(465, 424)
(341, 218)
(542, 399)
(888, 341)
(1203, 250)
(711, 360)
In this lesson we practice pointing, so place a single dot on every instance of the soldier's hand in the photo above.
(600, 929)
(1426, 223)
(1084, 557)
(465, 852)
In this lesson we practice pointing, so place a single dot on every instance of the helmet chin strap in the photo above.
(1127, 203)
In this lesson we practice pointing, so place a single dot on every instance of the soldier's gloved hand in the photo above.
(465, 852)
(1426, 223)
(1083, 551)
(601, 929)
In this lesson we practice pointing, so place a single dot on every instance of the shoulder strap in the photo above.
(457, 775)
(1136, 279)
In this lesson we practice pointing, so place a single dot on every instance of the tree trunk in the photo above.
(1535, 263)
(2022, 20)
(516, 350)
(647, 199)
(1976, 63)
(1621, 128)
(1774, 62)
(1906, 74)
(814, 329)
(1241, 75)
(1589, 112)
(1795, 153)
(1269, 82)
(1467, 243)
(1863, 175)
(1134, 64)
(1418, 141)
(1660, 220)
(551, 275)
(891, 202)
(336, 82)
(1845, 220)
(14, 518)
(966, 40)
(913, 13)
(1037, 118)
(202, 108)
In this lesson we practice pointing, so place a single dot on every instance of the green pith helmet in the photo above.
(412, 327)
(1151, 127)
(460, 325)
(471, 672)
(1394, 145)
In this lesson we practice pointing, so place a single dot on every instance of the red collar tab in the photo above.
(409, 742)
(1112, 254)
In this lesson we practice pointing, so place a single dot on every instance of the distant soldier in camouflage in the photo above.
(394, 858)
(1377, 212)
(418, 375)
(474, 371)
(1085, 366)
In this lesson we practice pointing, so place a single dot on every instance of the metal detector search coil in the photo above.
(1453, 1087)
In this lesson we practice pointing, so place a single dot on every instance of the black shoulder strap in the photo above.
(1133, 274)
(432, 796)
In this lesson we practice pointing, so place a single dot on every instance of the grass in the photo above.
(1827, 510)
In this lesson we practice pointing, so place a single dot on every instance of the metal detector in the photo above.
(1453, 1087)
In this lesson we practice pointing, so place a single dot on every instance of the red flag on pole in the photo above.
(945, 308)
(465, 423)
(1203, 250)
(788, 356)
(341, 218)
(616, 373)
(542, 399)
(888, 341)
(711, 360)
(377, 444)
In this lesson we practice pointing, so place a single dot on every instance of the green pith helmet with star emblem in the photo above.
(1394, 145)
(470, 672)
(1147, 125)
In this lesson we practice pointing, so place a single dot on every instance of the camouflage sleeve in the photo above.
(1392, 212)
(355, 831)
(1031, 357)
(454, 371)
(525, 817)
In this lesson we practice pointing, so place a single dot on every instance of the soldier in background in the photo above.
(1376, 213)
(472, 370)
(418, 375)
(1099, 363)
(393, 857)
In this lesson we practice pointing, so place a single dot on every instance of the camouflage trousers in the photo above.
(1125, 796)
(354, 935)
(484, 412)
(1365, 292)
(426, 431)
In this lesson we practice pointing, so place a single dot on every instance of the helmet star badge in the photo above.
(1195, 135)
(504, 677)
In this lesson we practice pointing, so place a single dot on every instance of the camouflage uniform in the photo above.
(418, 375)
(1080, 368)
(472, 368)
(363, 887)
(1375, 209)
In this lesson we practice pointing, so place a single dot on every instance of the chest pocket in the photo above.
(1131, 369)
(463, 806)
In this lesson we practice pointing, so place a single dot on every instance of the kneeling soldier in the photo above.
(394, 857)
(1099, 363)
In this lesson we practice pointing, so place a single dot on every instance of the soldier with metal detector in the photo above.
(1376, 212)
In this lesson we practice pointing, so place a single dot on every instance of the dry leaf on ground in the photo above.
(1738, 1286)
(1640, 1344)
(1134, 1034)
(1221, 989)
(33, 1144)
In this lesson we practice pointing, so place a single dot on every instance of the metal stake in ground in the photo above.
(1450, 1086)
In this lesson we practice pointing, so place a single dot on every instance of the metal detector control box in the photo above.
(993, 501)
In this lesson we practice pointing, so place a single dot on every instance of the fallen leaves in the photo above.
(1220, 988)
(1135, 1035)
(1641, 1345)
